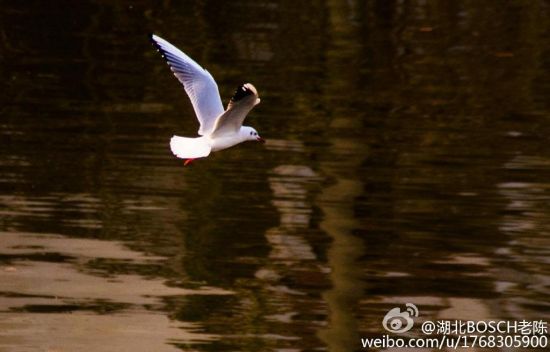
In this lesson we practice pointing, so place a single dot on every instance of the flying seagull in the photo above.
(219, 128)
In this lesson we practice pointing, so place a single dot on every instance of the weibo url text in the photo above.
(464, 341)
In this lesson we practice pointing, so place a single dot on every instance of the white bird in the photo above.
(219, 128)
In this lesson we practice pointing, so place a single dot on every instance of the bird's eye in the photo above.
(255, 134)
(251, 133)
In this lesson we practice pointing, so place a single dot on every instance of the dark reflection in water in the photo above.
(407, 161)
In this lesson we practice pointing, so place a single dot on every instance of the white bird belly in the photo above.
(221, 143)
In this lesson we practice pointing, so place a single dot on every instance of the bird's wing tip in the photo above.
(242, 91)
(154, 40)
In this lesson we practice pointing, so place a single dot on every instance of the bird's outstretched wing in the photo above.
(244, 99)
(198, 83)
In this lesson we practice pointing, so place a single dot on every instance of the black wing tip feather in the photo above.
(159, 48)
(241, 92)
(154, 42)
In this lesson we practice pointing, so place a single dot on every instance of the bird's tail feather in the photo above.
(189, 148)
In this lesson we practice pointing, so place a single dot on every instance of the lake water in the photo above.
(407, 161)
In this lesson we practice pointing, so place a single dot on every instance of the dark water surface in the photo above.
(408, 160)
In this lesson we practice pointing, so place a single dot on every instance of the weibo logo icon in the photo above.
(398, 321)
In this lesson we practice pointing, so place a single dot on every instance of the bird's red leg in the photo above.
(187, 162)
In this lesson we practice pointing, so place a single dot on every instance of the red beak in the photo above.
(261, 140)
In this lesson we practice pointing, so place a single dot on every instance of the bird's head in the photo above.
(250, 134)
